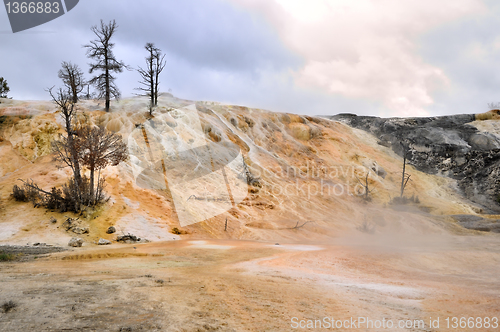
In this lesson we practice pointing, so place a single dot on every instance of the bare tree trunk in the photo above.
(403, 175)
(98, 189)
(152, 85)
(156, 83)
(107, 82)
(74, 153)
(92, 170)
(72, 77)
(101, 50)
(150, 75)
(68, 111)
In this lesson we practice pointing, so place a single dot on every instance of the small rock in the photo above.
(53, 220)
(80, 230)
(125, 329)
(70, 223)
(103, 242)
(128, 238)
(75, 242)
(276, 244)
(111, 230)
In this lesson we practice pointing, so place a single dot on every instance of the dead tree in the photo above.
(159, 65)
(67, 148)
(366, 186)
(405, 177)
(150, 75)
(99, 148)
(297, 226)
(101, 50)
(72, 77)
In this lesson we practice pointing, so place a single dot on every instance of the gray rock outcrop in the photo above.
(446, 145)
(478, 223)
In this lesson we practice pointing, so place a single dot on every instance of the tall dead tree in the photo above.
(159, 66)
(155, 63)
(99, 148)
(405, 177)
(101, 50)
(67, 148)
(73, 79)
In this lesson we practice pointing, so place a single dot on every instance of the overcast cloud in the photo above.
(384, 57)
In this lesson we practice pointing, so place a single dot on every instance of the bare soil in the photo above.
(222, 285)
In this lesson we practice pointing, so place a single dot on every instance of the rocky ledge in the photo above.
(25, 253)
(447, 145)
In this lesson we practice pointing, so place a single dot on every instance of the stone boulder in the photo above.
(128, 238)
(103, 242)
(75, 242)
(80, 230)
(75, 226)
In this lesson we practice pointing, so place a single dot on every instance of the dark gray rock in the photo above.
(445, 145)
(129, 238)
(478, 223)
(111, 230)
(30, 250)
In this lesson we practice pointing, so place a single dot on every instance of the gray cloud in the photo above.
(468, 51)
(223, 51)
(198, 37)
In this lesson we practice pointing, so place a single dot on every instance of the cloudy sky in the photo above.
(371, 57)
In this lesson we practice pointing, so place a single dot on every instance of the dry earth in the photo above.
(253, 286)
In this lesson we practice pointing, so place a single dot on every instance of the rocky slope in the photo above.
(307, 169)
(463, 147)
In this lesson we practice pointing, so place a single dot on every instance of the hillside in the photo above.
(464, 147)
(301, 242)
(308, 170)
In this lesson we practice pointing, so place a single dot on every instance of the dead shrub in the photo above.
(8, 306)
(19, 194)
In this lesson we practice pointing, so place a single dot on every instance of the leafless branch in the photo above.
(297, 226)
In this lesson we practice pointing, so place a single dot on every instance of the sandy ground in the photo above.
(222, 285)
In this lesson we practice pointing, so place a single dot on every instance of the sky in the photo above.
(317, 57)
